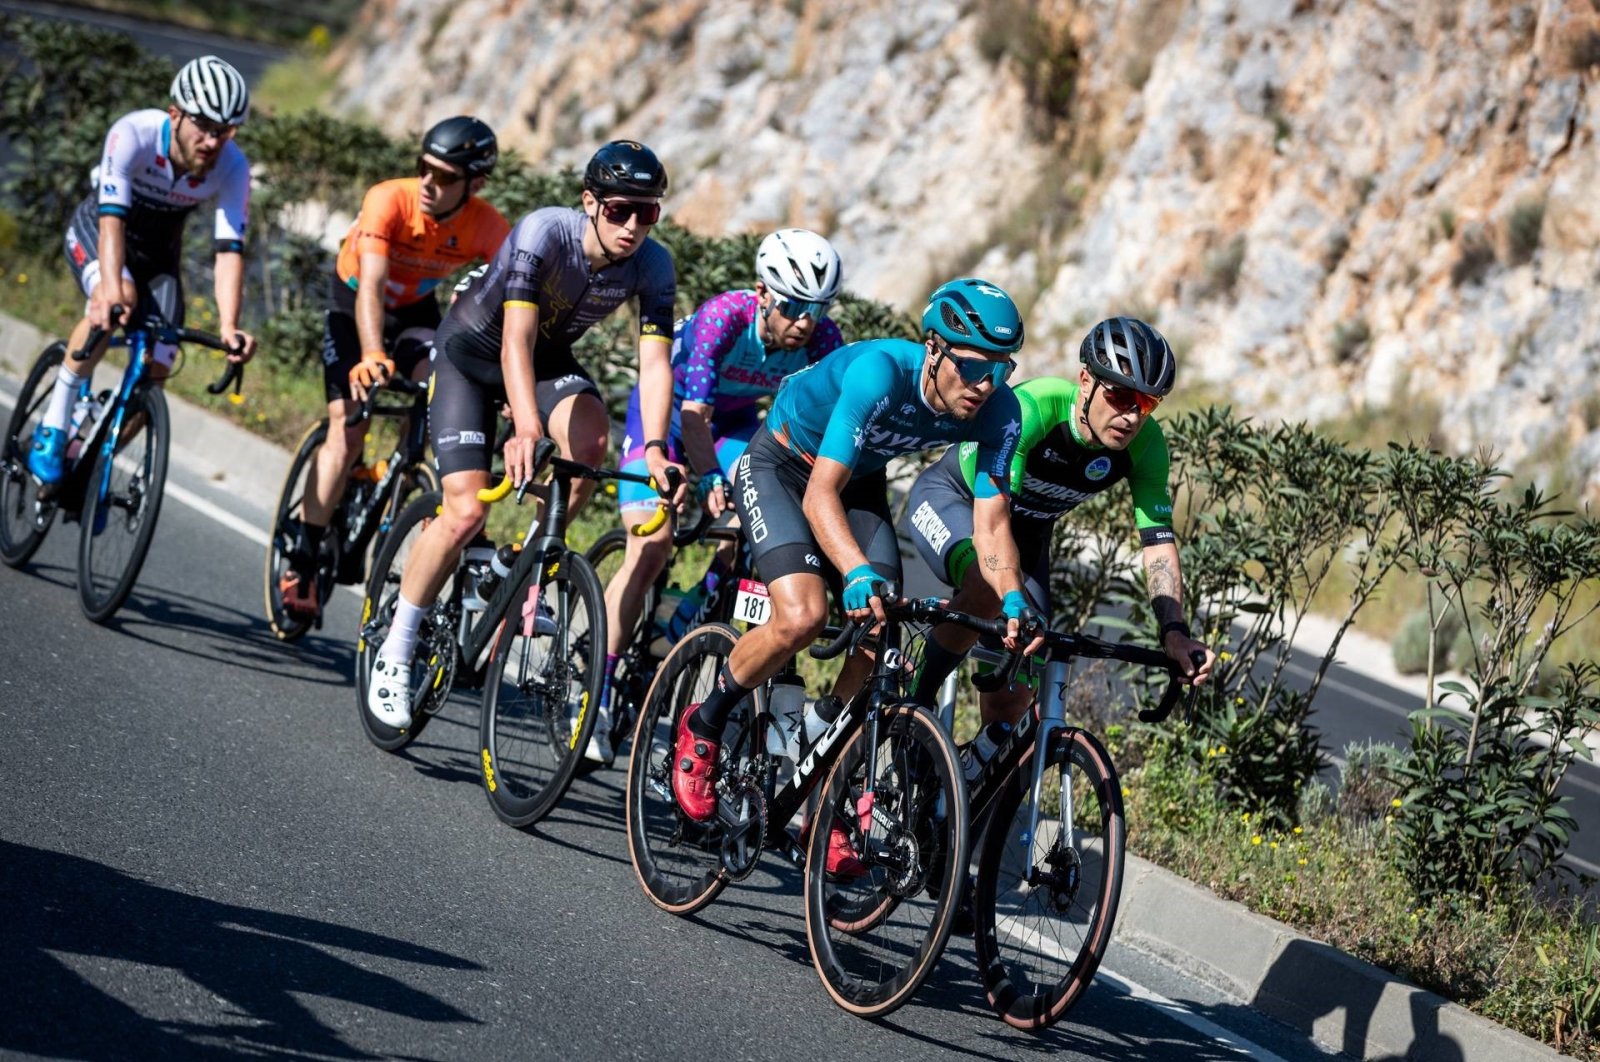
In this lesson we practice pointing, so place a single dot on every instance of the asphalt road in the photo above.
(201, 855)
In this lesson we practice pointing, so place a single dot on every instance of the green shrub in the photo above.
(1523, 230)
(1410, 644)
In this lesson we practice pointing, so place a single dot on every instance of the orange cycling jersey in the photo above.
(422, 250)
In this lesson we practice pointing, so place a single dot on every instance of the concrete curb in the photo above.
(1338, 1001)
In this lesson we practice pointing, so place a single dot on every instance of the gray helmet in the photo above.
(1126, 352)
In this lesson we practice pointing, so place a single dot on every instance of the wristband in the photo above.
(658, 444)
(1175, 625)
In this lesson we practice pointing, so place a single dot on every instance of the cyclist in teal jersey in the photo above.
(812, 500)
(1078, 438)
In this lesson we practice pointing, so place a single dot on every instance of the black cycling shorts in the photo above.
(467, 393)
(939, 512)
(156, 279)
(769, 486)
(407, 336)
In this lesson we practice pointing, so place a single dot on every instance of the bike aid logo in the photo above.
(1099, 468)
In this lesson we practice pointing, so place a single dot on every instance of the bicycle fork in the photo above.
(1052, 720)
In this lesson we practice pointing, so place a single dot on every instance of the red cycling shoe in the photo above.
(694, 771)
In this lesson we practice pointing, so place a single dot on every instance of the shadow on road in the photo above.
(68, 917)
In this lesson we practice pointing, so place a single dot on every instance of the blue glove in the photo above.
(708, 483)
(858, 587)
(1014, 604)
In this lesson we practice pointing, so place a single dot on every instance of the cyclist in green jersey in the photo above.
(1079, 437)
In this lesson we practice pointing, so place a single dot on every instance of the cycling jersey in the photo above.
(719, 360)
(542, 265)
(137, 180)
(422, 250)
(863, 404)
(1055, 469)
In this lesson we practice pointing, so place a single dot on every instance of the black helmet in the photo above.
(1127, 352)
(625, 167)
(463, 141)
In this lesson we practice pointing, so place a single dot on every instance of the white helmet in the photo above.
(799, 264)
(209, 87)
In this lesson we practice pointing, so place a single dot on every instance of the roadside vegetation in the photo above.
(1434, 859)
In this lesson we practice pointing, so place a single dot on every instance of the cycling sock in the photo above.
(937, 663)
(311, 538)
(402, 639)
(611, 675)
(59, 412)
(714, 711)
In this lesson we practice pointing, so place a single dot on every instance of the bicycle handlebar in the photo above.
(544, 454)
(232, 374)
(398, 384)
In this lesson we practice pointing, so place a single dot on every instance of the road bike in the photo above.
(886, 772)
(373, 499)
(116, 468)
(525, 622)
(1047, 805)
(641, 652)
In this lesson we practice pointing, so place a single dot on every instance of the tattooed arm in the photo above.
(1165, 579)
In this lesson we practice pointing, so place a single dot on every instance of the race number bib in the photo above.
(754, 604)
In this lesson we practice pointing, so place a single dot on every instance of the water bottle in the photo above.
(694, 602)
(975, 755)
(500, 563)
(787, 703)
(473, 570)
(819, 716)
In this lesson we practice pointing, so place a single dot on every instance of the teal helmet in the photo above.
(974, 313)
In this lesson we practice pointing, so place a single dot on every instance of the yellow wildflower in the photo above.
(1274, 845)
(1395, 802)
(22, 278)
(1302, 861)
(1256, 840)
(1297, 829)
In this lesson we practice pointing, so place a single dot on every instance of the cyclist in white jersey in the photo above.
(125, 240)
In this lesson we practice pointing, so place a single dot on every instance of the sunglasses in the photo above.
(214, 130)
(442, 177)
(976, 370)
(1126, 399)
(618, 211)
(794, 309)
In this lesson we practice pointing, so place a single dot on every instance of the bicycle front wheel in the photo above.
(541, 690)
(24, 519)
(876, 935)
(121, 506)
(285, 533)
(1040, 936)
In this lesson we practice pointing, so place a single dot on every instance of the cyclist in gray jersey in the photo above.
(508, 339)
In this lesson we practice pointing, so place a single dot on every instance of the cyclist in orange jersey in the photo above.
(412, 233)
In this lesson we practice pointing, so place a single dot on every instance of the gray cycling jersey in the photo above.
(542, 264)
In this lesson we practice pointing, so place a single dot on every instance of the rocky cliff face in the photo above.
(1324, 204)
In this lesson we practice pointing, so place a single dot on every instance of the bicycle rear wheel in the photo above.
(24, 520)
(679, 863)
(377, 612)
(1040, 942)
(121, 506)
(540, 691)
(911, 831)
(285, 536)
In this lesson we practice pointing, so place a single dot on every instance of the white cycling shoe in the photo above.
(389, 693)
(600, 750)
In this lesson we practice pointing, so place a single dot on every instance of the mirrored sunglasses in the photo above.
(794, 309)
(618, 211)
(1126, 399)
(442, 177)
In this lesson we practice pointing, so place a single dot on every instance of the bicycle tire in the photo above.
(377, 610)
(1039, 947)
(286, 625)
(679, 862)
(637, 664)
(106, 571)
(24, 521)
(530, 740)
(916, 859)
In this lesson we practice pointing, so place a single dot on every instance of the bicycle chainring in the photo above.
(742, 841)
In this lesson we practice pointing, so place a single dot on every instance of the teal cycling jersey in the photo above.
(1056, 469)
(863, 404)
